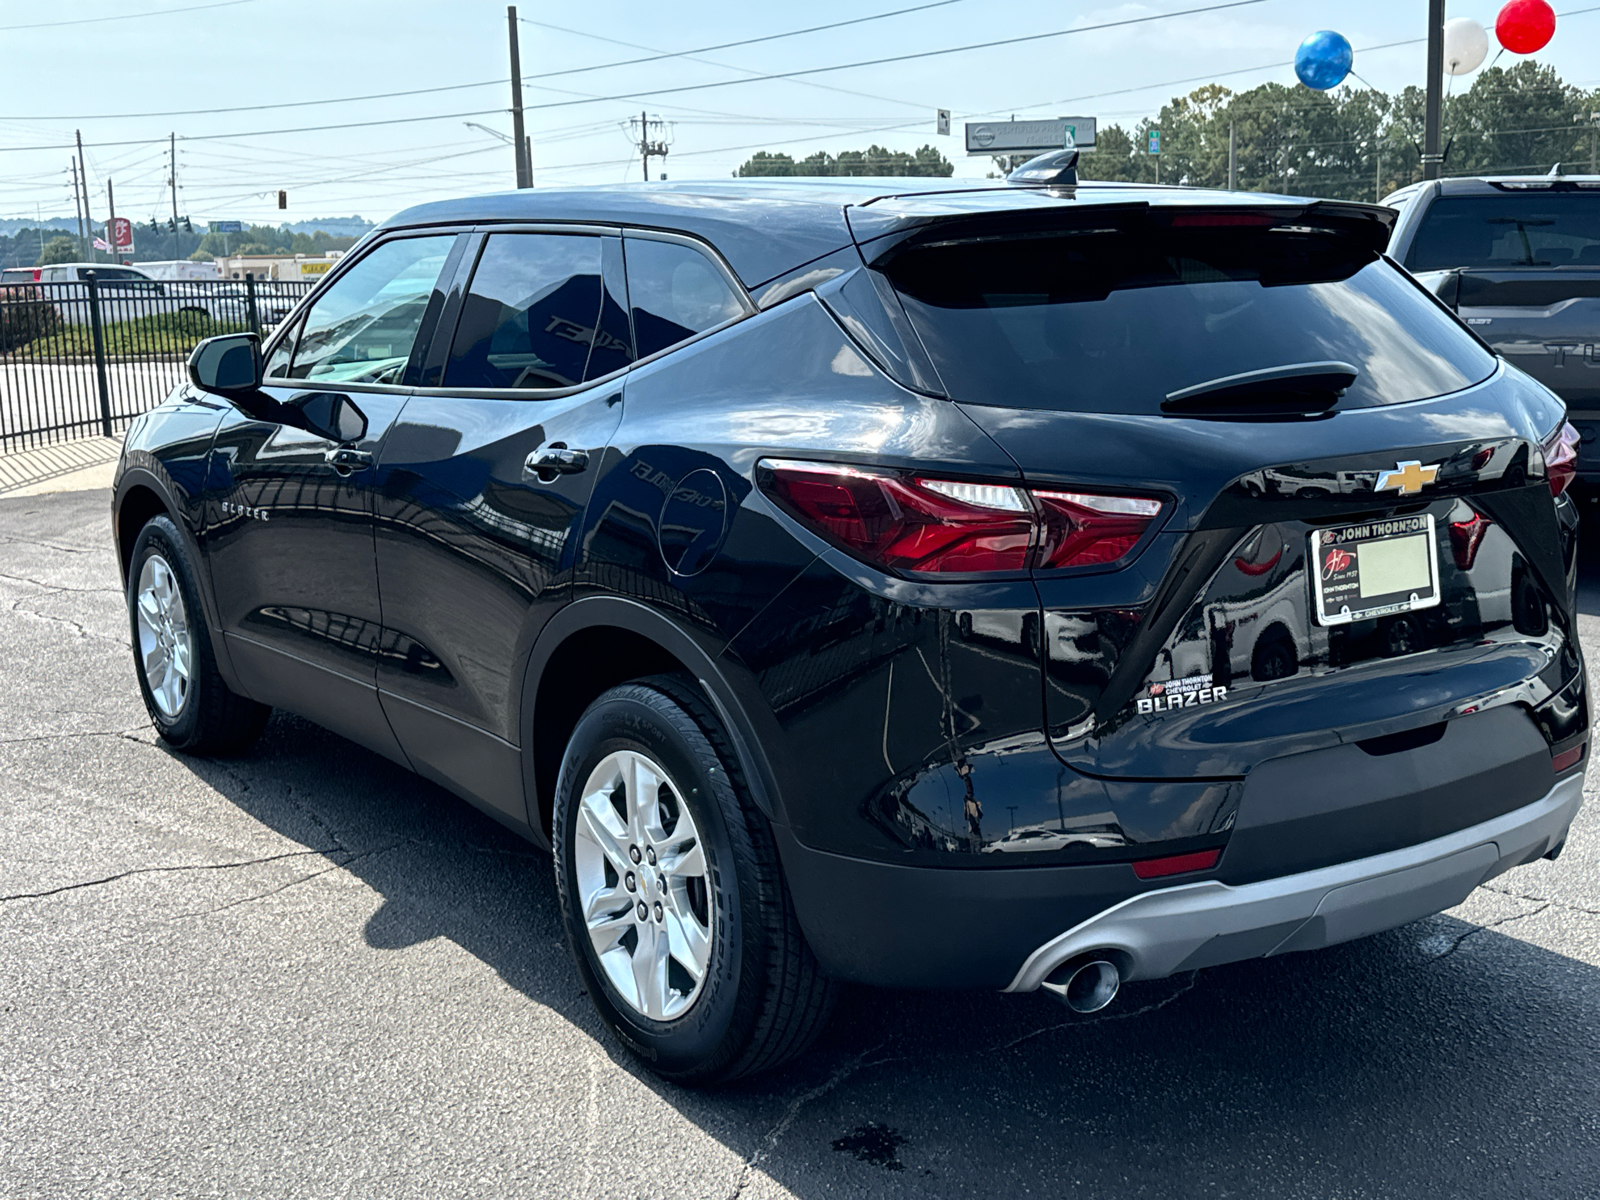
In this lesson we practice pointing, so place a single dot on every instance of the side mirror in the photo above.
(227, 364)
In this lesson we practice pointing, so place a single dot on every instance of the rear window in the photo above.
(1112, 320)
(1525, 229)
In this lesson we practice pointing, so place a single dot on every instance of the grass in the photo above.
(165, 334)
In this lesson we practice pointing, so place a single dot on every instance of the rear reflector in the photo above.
(1176, 864)
(1568, 758)
(951, 527)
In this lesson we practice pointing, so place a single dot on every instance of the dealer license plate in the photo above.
(1374, 569)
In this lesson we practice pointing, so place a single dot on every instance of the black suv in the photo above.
(992, 586)
(1518, 257)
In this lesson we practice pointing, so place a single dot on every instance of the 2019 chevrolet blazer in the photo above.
(995, 585)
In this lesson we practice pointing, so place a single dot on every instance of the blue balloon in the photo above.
(1323, 60)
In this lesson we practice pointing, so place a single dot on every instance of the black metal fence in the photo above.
(80, 359)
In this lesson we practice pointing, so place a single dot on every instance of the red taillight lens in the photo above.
(1081, 529)
(908, 524)
(1561, 457)
(948, 526)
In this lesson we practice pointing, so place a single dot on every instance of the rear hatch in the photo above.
(1357, 539)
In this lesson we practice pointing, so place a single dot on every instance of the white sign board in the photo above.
(1022, 137)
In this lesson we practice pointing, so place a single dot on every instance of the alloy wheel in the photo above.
(166, 645)
(643, 883)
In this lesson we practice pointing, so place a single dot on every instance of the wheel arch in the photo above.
(596, 643)
(142, 494)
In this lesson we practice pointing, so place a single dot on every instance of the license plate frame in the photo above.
(1336, 568)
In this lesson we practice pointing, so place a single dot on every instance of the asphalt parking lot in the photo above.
(308, 973)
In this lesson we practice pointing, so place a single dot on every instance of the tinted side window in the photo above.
(362, 329)
(538, 314)
(676, 293)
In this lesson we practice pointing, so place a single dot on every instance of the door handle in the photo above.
(555, 459)
(344, 459)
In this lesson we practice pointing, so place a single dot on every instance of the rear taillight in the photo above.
(907, 522)
(1561, 457)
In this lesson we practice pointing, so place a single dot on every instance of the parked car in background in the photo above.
(920, 583)
(1518, 257)
(128, 294)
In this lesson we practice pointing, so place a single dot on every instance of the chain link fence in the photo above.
(84, 359)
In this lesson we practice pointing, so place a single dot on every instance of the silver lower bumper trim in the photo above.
(1205, 924)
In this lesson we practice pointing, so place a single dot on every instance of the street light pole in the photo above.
(1432, 160)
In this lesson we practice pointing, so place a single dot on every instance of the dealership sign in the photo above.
(1024, 137)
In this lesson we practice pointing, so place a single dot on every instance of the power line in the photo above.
(921, 54)
(160, 12)
(771, 37)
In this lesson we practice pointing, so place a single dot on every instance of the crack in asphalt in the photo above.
(1545, 900)
(1495, 924)
(55, 546)
(60, 587)
(864, 1060)
(125, 734)
(227, 866)
(283, 887)
(16, 607)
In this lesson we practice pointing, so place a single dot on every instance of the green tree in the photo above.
(874, 160)
(58, 250)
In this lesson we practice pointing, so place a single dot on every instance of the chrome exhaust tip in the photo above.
(1086, 985)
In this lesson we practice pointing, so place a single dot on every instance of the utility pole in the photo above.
(1377, 177)
(647, 148)
(111, 220)
(172, 181)
(1233, 159)
(77, 211)
(518, 138)
(88, 221)
(1432, 159)
(1594, 140)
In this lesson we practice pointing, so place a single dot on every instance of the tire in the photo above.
(191, 708)
(761, 998)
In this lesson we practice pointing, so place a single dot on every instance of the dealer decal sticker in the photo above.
(1181, 693)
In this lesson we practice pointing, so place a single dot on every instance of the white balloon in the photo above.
(1465, 46)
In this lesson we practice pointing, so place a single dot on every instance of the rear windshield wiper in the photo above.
(1299, 389)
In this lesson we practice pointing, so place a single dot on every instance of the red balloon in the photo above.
(1524, 26)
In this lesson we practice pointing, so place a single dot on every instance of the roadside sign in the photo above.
(944, 120)
(1155, 142)
(121, 232)
(227, 227)
(1020, 137)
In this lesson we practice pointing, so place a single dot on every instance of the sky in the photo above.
(69, 70)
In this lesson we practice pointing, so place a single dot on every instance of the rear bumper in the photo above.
(1204, 924)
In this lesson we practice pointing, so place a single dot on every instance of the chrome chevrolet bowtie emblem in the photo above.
(1407, 478)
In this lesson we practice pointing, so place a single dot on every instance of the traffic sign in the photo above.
(1021, 137)
(1155, 142)
(944, 121)
(227, 227)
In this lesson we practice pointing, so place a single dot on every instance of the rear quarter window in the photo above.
(675, 292)
(1113, 320)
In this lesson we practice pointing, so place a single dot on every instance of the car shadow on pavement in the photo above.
(1440, 1059)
